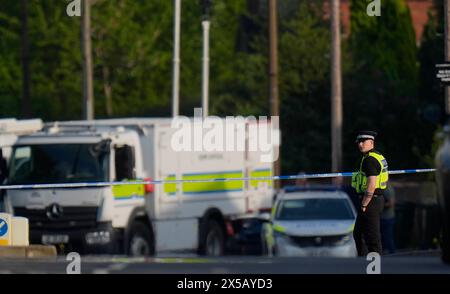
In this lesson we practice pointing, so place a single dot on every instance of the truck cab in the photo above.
(10, 129)
(88, 219)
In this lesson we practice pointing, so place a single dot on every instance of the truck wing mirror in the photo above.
(125, 163)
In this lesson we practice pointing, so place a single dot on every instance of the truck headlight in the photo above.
(98, 238)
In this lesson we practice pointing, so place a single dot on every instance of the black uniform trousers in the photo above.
(367, 227)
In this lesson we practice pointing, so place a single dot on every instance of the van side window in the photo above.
(125, 163)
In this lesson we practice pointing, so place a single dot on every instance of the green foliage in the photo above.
(132, 54)
(55, 62)
(238, 77)
(304, 90)
(132, 45)
(381, 92)
(10, 71)
(431, 93)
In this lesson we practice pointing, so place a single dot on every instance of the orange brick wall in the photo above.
(419, 13)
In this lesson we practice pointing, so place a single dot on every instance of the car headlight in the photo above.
(344, 240)
(280, 236)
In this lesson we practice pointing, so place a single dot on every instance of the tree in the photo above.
(431, 93)
(10, 70)
(132, 57)
(241, 84)
(382, 94)
(238, 63)
(304, 90)
(54, 61)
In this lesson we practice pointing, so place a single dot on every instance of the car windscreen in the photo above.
(314, 209)
(59, 163)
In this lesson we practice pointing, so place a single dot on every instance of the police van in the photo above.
(138, 219)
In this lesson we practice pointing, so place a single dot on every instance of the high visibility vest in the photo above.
(359, 179)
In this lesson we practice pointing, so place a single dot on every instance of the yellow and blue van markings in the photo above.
(266, 172)
(212, 187)
(127, 192)
(170, 188)
(218, 186)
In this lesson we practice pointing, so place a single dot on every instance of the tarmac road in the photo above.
(401, 264)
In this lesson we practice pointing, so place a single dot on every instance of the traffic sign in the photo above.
(3, 227)
(443, 73)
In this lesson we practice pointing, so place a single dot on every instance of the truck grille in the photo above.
(68, 217)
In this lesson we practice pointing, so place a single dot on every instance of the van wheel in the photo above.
(140, 242)
(214, 241)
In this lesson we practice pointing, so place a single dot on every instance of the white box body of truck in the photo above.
(133, 219)
(10, 129)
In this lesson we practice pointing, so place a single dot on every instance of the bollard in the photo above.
(20, 232)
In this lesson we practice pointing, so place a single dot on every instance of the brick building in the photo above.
(419, 13)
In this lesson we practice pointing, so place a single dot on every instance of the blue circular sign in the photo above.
(3, 227)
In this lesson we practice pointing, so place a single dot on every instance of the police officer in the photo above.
(369, 181)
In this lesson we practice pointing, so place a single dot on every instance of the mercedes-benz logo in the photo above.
(54, 211)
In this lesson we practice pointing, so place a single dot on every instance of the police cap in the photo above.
(364, 135)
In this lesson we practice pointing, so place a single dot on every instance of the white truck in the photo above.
(142, 219)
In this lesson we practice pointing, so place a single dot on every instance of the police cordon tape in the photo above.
(290, 177)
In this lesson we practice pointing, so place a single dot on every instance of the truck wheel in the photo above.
(140, 242)
(214, 239)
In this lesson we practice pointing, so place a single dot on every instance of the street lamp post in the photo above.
(273, 75)
(447, 55)
(88, 92)
(176, 60)
(336, 91)
(206, 8)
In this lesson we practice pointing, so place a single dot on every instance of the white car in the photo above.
(311, 222)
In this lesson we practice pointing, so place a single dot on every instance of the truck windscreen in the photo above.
(59, 163)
